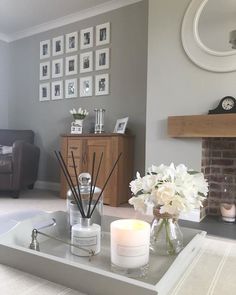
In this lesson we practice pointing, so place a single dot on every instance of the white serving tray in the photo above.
(55, 262)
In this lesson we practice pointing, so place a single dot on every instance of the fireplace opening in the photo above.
(219, 167)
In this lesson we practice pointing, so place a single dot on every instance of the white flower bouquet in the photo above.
(80, 114)
(170, 189)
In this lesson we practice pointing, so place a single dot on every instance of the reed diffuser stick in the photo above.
(70, 182)
(91, 185)
(74, 192)
(95, 183)
(104, 186)
(77, 181)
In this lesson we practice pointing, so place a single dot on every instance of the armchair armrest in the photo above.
(25, 157)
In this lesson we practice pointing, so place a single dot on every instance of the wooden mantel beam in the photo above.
(222, 125)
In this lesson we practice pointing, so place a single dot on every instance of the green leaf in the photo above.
(192, 172)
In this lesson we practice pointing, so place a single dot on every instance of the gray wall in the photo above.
(128, 86)
(4, 80)
(176, 86)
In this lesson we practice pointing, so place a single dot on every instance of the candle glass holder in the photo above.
(99, 120)
(130, 247)
(227, 204)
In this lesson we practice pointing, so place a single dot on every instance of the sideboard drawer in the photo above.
(76, 147)
(78, 166)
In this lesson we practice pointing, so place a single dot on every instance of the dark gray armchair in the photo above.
(18, 169)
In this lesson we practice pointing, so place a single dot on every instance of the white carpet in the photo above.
(213, 271)
(15, 282)
(50, 201)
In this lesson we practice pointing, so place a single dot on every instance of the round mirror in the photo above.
(217, 20)
(208, 27)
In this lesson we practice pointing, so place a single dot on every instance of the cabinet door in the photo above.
(77, 147)
(100, 146)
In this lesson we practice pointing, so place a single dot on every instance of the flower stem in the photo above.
(170, 249)
(160, 228)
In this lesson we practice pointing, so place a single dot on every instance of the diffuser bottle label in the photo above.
(131, 251)
(85, 241)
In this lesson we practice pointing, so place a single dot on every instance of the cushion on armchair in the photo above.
(4, 149)
(5, 164)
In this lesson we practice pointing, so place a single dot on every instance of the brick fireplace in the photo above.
(218, 133)
(218, 162)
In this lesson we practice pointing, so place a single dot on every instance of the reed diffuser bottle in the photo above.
(85, 235)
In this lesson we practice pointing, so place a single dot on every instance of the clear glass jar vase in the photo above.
(166, 236)
(74, 215)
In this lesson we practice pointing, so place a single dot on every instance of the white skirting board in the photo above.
(51, 186)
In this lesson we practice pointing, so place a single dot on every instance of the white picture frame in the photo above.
(121, 125)
(103, 34)
(71, 90)
(58, 45)
(45, 49)
(44, 70)
(86, 62)
(86, 38)
(86, 86)
(57, 68)
(44, 92)
(102, 59)
(71, 42)
(71, 65)
(57, 90)
(102, 84)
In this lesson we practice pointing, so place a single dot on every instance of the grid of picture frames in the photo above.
(60, 59)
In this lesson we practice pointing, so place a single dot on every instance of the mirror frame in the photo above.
(200, 54)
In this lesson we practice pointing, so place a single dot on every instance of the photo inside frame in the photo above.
(86, 86)
(57, 68)
(86, 62)
(102, 84)
(102, 59)
(44, 92)
(87, 38)
(71, 65)
(120, 126)
(45, 70)
(71, 88)
(58, 46)
(103, 34)
(72, 42)
(57, 90)
(45, 49)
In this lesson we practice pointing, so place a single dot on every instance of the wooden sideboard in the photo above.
(111, 145)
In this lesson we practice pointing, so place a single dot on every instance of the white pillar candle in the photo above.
(130, 240)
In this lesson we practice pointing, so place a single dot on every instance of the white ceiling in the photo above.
(21, 16)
